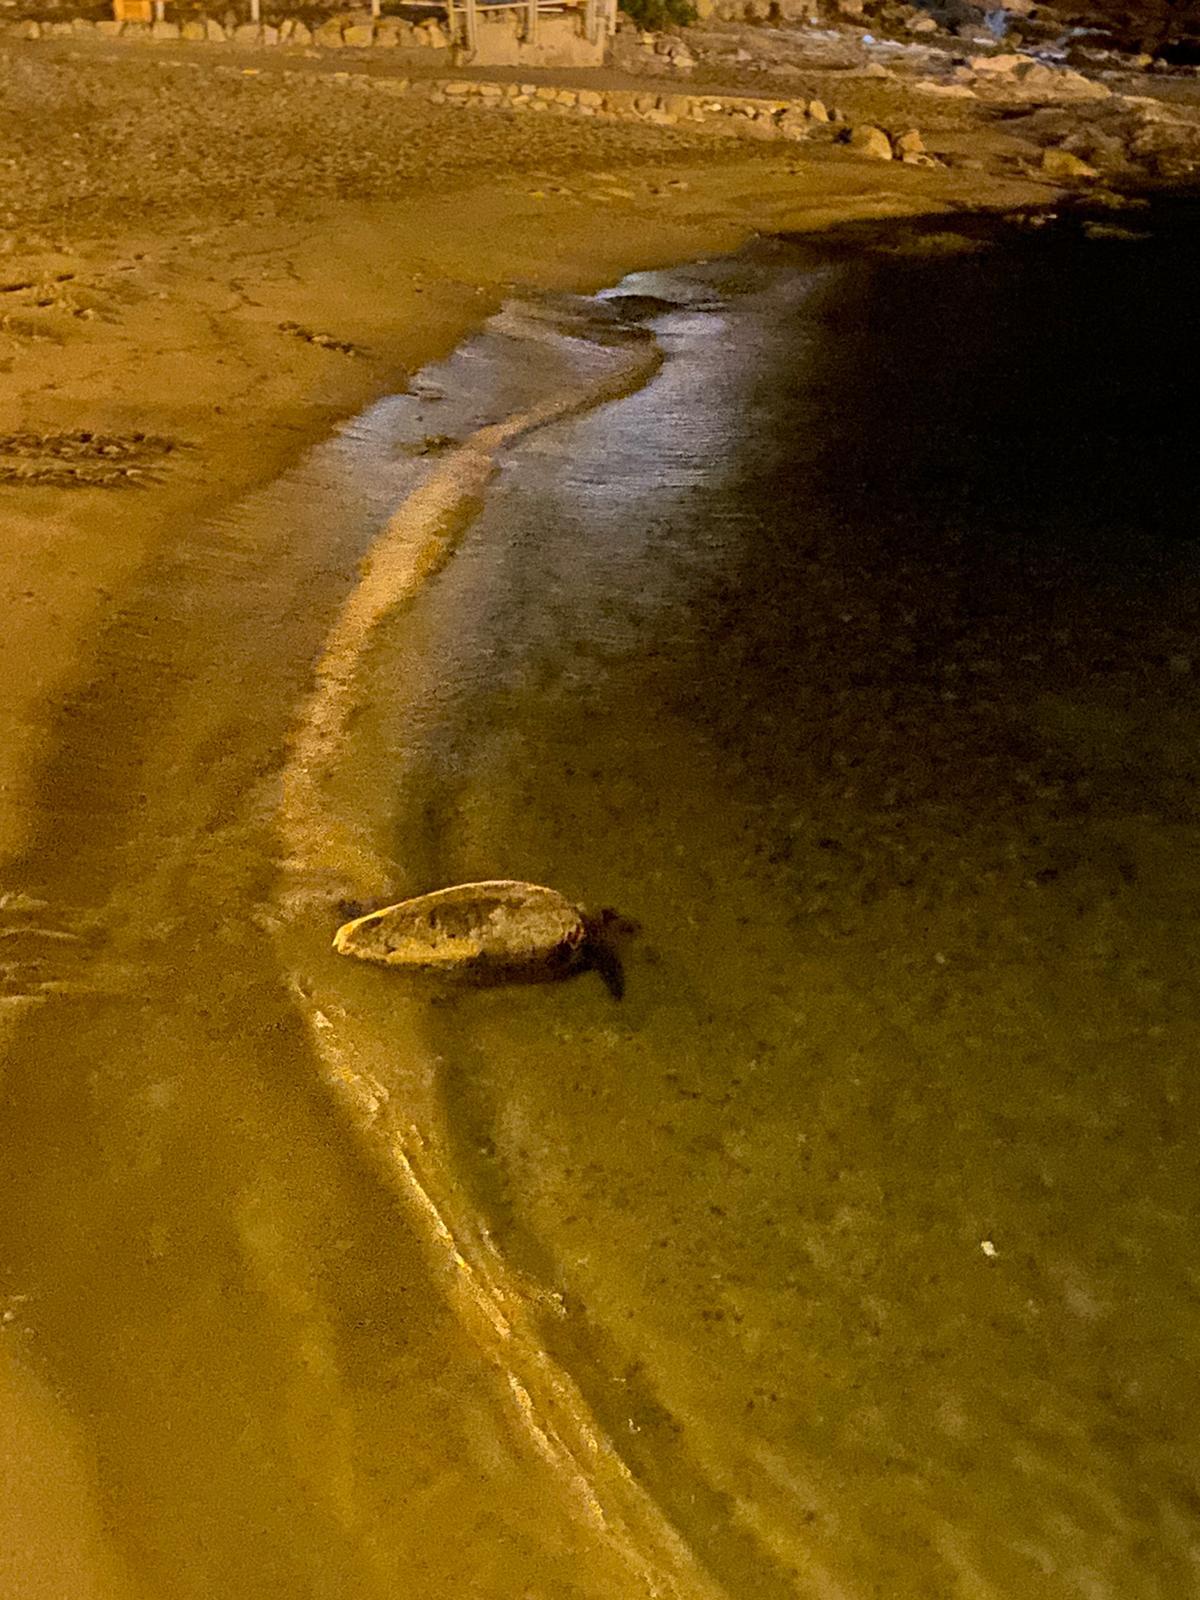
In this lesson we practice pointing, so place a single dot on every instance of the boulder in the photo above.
(1057, 163)
(910, 143)
(995, 64)
(871, 142)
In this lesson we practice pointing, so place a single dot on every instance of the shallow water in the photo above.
(851, 1253)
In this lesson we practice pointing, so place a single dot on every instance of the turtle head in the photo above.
(605, 929)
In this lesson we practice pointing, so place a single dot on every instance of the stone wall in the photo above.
(561, 40)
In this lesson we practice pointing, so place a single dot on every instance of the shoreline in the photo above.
(248, 344)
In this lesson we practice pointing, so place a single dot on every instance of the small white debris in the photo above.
(988, 1248)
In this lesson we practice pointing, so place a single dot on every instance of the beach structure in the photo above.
(561, 33)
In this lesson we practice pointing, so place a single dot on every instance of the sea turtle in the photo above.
(486, 932)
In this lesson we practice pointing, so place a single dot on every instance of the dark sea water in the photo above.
(852, 657)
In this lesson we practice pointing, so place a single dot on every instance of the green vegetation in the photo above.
(654, 15)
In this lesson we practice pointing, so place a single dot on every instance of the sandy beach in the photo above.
(206, 265)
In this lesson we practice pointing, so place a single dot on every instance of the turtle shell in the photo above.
(499, 927)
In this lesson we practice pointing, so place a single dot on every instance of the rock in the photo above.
(194, 31)
(817, 111)
(870, 142)
(794, 125)
(247, 33)
(358, 36)
(910, 143)
(1081, 88)
(301, 34)
(924, 24)
(478, 931)
(1058, 163)
(213, 31)
(164, 30)
(1037, 78)
(329, 36)
(1096, 146)
(947, 91)
(995, 64)
(270, 34)
(107, 28)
